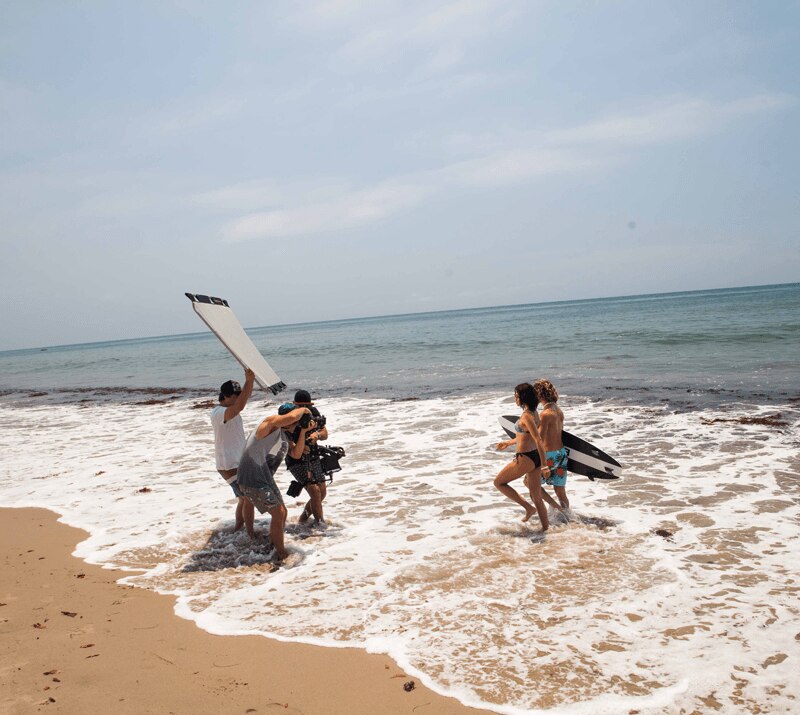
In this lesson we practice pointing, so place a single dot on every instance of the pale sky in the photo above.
(334, 159)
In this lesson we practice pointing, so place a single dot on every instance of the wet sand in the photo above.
(75, 641)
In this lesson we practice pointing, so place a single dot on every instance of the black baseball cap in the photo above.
(231, 387)
(302, 398)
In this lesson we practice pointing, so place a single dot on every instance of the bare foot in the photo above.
(529, 512)
(304, 517)
(281, 555)
(238, 526)
(252, 534)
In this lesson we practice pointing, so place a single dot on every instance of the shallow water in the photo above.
(672, 590)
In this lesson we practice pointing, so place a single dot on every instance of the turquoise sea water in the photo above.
(741, 343)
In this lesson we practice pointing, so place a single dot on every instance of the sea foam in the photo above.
(673, 588)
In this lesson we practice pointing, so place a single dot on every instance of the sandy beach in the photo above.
(74, 640)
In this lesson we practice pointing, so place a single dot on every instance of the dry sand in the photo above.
(75, 641)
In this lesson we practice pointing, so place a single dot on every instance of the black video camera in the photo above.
(329, 459)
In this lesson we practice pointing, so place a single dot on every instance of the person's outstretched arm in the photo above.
(505, 444)
(297, 448)
(537, 439)
(544, 419)
(244, 395)
(273, 422)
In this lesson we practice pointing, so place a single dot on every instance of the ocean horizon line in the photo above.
(365, 318)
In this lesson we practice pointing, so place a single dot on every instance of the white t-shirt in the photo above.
(229, 438)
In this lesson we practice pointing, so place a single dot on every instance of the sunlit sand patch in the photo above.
(715, 500)
(696, 519)
(772, 506)
(788, 482)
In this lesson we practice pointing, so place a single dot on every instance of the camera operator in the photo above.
(307, 470)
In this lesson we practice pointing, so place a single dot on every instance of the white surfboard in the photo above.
(221, 320)
(583, 458)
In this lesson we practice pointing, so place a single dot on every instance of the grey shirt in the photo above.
(261, 458)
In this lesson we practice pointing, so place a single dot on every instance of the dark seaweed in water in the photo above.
(775, 420)
(632, 349)
(129, 390)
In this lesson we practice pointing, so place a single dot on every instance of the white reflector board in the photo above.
(221, 320)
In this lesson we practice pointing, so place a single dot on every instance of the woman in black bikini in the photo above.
(528, 458)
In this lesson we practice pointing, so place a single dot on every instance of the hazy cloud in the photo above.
(586, 147)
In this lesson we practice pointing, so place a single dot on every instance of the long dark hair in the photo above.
(527, 395)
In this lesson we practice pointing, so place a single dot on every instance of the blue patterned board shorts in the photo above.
(557, 461)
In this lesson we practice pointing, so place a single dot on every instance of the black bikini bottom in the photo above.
(533, 456)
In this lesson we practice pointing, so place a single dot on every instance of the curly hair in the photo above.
(527, 395)
(545, 391)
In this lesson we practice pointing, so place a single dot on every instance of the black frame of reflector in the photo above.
(197, 298)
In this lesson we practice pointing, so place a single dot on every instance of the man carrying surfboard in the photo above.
(229, 442)
(551, 424)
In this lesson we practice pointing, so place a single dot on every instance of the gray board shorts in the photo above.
(258, 485)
